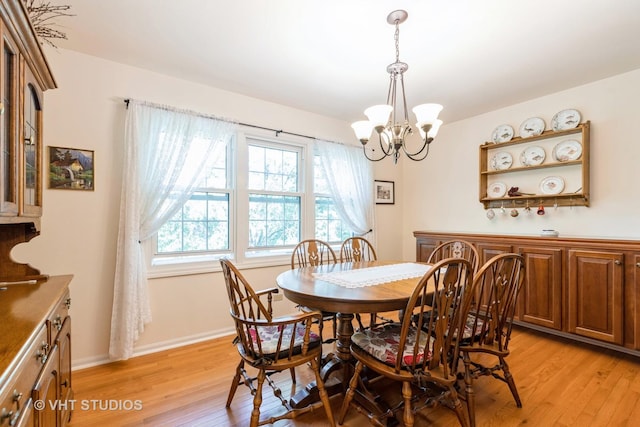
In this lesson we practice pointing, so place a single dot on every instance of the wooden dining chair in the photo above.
(312, 253)
(424, 362)
(271, 345)
(489, 322)
(356, 249)
(455, 249)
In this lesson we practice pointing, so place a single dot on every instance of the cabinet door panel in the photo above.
(540, 300)
(424, 247)
(46, 390)
(489, 250)
(632, 303)
(63, 342)
(595, 307)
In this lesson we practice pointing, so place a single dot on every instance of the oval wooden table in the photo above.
(303, 287)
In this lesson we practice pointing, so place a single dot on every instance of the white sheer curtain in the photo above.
(164, 158)
(349, 176)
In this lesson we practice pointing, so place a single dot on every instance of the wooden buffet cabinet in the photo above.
(35, 355)
(580, 288)
(35, 327)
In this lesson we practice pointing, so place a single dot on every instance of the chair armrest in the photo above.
(268, 291)
(269, 294)
(291, 318)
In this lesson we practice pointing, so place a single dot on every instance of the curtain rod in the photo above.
(277, 131)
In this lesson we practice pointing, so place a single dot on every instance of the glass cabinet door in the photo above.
(8, 129)
(32, 152)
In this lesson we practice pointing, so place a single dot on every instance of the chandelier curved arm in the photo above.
(413, 157)
(364, 150)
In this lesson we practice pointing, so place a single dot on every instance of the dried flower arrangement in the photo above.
(42, 15)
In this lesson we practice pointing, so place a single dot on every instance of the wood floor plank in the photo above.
(561, 383)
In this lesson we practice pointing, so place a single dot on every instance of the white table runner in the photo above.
(372, 276)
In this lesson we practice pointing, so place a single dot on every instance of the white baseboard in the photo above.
(89, 362)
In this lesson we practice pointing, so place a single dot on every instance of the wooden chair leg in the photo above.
(353, 383)
(407, 393)
(510, 381)
(257, 399)
(293, 375)
(460, 412)
(235, 383)
(324, 397)
(469, 394)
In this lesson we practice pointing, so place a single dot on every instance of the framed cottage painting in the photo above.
(384, 192)
(71, 169)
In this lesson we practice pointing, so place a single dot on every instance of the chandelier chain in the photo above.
(397, 39)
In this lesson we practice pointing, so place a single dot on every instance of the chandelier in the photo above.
(393, 129)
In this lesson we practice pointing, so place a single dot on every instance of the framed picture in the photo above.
(384, 192)
(71, 169)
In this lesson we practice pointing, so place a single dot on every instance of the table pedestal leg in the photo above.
(340, 363)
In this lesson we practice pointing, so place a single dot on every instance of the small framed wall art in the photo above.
(71, 169)
(384, 192)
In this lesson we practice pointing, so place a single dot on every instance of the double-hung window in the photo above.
(275, 192)
(202, 230)
(254, 204)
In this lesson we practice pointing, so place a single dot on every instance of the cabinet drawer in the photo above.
(57, 316)
(17, 391)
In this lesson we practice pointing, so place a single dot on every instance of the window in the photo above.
(203, 225)
(274, 195)
(328, 225)
(256, 202)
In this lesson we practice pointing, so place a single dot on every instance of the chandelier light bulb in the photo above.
(379, 115)
(427, 113)
(427, 130)
(363, 129)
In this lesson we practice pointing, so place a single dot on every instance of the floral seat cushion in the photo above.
(269, 336)
(469, 332)
(383, 344)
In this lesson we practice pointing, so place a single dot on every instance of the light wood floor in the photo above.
(561, 384)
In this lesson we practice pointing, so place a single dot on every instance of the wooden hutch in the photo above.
(35, 327)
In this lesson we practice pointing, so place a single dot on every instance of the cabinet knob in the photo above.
(5, 414)
(57, 323)
(617, 262)
(637, 264)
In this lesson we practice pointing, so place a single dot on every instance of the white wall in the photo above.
(447, 198)
(79, 229)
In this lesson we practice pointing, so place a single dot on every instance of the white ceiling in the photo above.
(330, 56)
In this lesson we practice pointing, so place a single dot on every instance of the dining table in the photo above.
(346, 289)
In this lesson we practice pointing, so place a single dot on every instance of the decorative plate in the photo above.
(501, 161)
(532, 127)
(567, 150)
(552, 185)
(502, 133)
(532, 156)
(565, 119)
(497, 189)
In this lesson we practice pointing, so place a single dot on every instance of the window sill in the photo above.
(185, 266)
